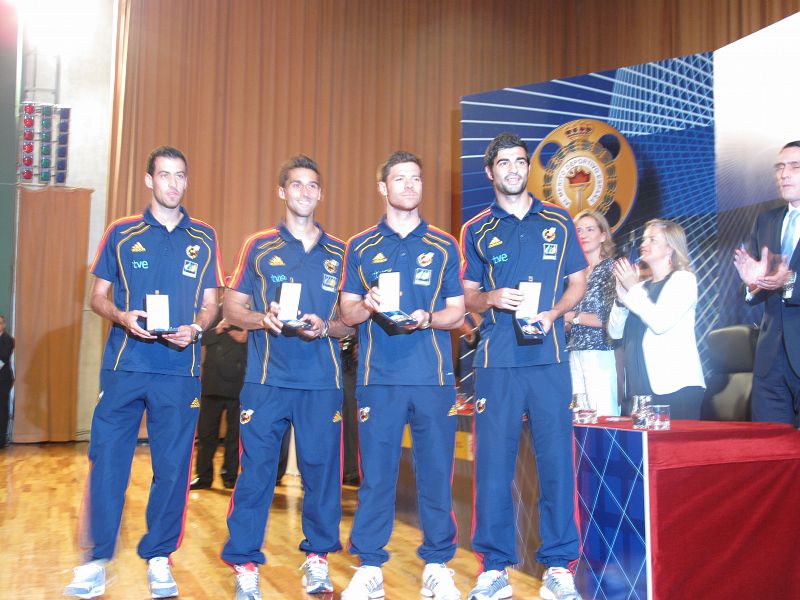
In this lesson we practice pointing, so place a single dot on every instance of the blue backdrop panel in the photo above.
(665, 110)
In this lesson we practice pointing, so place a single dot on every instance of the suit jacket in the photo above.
(669, 344)
(6, 350)
(780, 326)
(223, 364)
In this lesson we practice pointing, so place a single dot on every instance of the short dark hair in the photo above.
(794, 144)
(501, 142)
(396, 158)
(167, 152)
(299, 161)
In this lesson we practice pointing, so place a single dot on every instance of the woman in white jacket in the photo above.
(655, 319)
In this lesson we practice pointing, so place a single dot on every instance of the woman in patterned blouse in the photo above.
(591, 359)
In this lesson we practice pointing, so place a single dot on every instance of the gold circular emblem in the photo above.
(590, 166)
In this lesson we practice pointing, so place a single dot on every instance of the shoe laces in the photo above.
(316, 567)
(491, 579)
(159, 567)
(247, 578)
(562, 579)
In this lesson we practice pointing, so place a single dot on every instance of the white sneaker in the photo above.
(88, 581)
(247, 582)
(159, 576)
(491, 585)
(437, 582)
(315, 575)
(558, 584)
(366, 584)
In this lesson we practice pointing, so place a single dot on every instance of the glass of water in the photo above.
(582, 412)
(640, 410)
(658, 418)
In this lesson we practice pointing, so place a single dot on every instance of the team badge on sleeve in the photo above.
(193, 251)
(246, 416)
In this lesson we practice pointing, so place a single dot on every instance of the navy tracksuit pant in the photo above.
(502, 397)
(173, 404)
(267, 412)
(383, 413)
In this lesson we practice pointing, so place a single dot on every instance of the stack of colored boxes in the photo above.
(45, 143)
(28, 114)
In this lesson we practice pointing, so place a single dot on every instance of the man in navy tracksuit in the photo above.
(293, 377)
(405, 375)
(520, 239)
(160, 252)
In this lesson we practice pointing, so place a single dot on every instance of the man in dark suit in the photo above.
(768, 268)
(222, 379)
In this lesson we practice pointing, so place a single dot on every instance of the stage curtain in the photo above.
(51, 280)
(240, 86)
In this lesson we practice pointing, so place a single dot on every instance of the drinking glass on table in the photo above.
(658, 417)
(582, 412)
(640, 410)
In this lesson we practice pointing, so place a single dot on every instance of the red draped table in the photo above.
(704, 510)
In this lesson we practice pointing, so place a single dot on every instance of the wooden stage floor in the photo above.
(40, 499)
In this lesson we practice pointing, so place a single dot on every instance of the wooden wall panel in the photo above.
(51, 279)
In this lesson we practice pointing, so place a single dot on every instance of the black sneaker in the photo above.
(196, 484)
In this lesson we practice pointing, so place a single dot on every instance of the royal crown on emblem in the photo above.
(579, 130)
(578, 176)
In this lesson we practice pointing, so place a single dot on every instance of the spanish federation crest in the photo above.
(331, 265)
(245, 416)
(192, 251)
(363, 414)
(593, 168)
(424, 260)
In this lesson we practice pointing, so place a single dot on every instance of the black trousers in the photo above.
(211, 409)
(5, 407)
(776, 394)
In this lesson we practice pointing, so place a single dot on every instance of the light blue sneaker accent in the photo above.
(491, 585)
(89, 580)
(558, 584)
(162, 584)
(247, 582)
(366, 584)
(315, 575)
